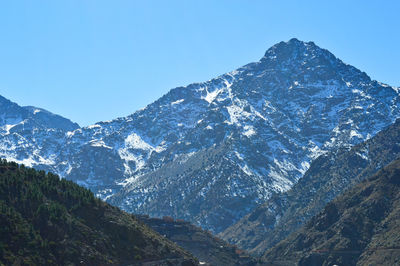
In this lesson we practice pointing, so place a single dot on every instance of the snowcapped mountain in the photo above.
(210, 152)
(31, 135)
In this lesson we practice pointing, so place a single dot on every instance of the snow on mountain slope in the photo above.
(328, 177)
(209, 152)
(31, 135)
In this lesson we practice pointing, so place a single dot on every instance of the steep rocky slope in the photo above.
(328, 176)
(361, 227)
(235, 139)
(48, 221)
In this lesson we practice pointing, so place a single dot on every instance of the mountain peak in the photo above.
(13, 114)
(294, 41)
(295, 49)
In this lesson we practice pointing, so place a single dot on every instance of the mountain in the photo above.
(328, 176)
(45, 220)
(361, 227)
(31, 135)
(26, 118)
(202, 244)
(211, 152)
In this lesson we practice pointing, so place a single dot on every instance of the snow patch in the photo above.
(279, 182)
(134, 141)
(136, 150)
(210, 97)
(99, 143)
(361, 93)
(354, 133)
(249, 131)
(236, 114)
(316, 151)
(94, 126)
(304, 167)
(245, 168)
(363, 153)
(178, 101)
(239, 156)
(7, 128)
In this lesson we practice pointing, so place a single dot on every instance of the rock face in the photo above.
(361, 227)
(210, 152)
(328, 176)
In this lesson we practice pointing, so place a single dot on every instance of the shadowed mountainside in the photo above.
(361, 227)
(328, 176)
(202, 244)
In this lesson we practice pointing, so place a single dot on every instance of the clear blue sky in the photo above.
(97, 60)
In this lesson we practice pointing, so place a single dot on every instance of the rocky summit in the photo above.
(210, 152)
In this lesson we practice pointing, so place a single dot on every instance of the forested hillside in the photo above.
(45, 220)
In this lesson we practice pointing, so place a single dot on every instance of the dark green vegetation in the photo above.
(328, 176)
(200, 243)
(361, 227)
(45, 220)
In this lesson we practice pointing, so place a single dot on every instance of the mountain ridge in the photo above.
(272, 117)
(328, 176)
